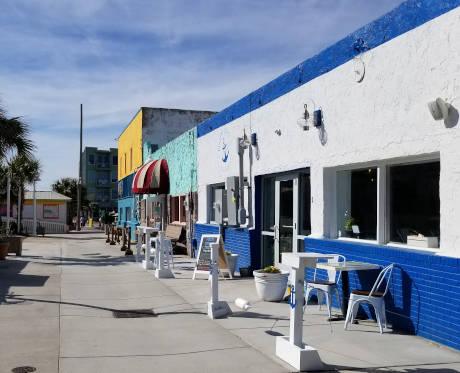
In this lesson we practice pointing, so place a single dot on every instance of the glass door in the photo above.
(285, 216)
(280, 217)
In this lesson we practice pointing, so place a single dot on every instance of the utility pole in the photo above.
(79, 170)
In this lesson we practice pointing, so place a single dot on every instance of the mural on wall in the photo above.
(180, 154)
(223, 147)
(50, 211)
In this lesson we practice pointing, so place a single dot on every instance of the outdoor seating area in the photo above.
(358, 347)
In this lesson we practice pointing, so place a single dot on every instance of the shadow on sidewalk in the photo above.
(10, 276)
(128, 312)
(394, 369)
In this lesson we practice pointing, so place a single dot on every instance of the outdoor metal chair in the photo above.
(374, 297)
(325, 287)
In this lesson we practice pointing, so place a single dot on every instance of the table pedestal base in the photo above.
(163, 273)
(218, 309)
(304, 359)
(147, 265)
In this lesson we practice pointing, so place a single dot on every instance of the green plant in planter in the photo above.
(228, 252)
(4, 241)
(348, 224)
(4, 233)
(349, 221)
(271, 269)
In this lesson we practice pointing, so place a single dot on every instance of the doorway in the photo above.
(280, 216)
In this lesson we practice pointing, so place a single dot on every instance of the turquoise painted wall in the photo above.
(182, 161)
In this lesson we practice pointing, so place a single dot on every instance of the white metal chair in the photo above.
(325, 287)
(374, 297)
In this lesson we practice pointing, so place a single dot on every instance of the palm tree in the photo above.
(14, 136)
(25, 170)
(14, 141)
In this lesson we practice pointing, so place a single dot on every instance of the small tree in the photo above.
(68, 186)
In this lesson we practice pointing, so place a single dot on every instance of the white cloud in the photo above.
(115, 56)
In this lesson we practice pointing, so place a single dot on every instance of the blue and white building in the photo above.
(377, 180)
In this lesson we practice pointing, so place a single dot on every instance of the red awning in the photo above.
(152, 178)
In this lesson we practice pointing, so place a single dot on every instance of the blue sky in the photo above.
(115, 56)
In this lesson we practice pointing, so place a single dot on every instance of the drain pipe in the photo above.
(242, 144)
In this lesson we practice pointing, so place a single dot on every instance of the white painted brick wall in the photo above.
(384, 117)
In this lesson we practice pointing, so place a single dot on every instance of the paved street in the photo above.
(58, 314)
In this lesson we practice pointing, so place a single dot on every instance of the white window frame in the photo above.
(210, 198)
(383, 198)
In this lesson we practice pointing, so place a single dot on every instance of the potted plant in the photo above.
(348, 223)
(271, 283)
(15, 244)
(4, 242)
(232, 261)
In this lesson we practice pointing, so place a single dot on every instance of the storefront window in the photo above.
(357, 203)
(268, 204)
(212, 190)
(305, 205)
(414, 201)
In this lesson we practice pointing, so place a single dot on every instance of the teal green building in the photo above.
(181, 202)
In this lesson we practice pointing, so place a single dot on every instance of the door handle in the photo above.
(287, 226)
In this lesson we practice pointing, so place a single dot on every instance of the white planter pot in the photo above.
(232, 260)
(271, 287)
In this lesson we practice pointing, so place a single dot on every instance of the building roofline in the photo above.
(164, 109)
(406, 17)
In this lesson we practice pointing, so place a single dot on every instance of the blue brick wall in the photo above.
(239, 241)
(201, 229)
(424, 294)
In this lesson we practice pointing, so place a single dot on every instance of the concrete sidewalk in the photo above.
(58, 314)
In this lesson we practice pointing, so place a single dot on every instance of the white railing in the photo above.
(50, 226)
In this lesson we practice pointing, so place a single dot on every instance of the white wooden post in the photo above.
(296, 312)
(292, 349)
(34, 229)
(160, 271)
(216, 308)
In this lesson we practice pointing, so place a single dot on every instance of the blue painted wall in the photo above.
(127, 199)
(402, 19)
(424, 291)
(123, 203)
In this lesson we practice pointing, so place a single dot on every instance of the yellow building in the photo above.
(149, 129)
(130, 147)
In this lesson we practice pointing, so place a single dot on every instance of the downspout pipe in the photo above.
(241, 211)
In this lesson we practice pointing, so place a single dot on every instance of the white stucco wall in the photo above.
(384, 117)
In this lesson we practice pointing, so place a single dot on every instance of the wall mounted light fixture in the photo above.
(318, 118)
(439, 109)
(304, 120)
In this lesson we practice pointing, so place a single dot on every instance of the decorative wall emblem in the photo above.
(223, 147)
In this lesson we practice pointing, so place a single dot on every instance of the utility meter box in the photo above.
(233, 199)
(220, 205)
